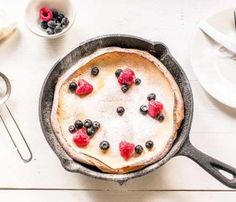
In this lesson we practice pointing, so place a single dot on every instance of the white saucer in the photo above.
(214, 66)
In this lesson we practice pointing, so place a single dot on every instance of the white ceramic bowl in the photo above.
(32, 15)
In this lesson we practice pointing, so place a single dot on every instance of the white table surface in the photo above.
(26, 59)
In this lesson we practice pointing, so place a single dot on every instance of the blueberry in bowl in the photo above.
(52, 20)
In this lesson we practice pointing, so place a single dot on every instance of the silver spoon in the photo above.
(4, 96)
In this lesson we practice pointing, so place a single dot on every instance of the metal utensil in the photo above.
(219, 37)
(5, 91)
(235, 19)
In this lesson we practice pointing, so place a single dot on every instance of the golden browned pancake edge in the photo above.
(60, 117)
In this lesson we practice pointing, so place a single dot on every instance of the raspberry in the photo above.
(81, 139)
(83, 88)
(126, 149)
(127, 77)
(45, 14)
(154, 108)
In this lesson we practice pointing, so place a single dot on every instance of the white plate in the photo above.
(214, 66)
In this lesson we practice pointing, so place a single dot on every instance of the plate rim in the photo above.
(194, 65)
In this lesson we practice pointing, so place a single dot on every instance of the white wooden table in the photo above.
(26, 59)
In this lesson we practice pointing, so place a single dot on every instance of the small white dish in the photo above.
(32, 15)
(215, 66)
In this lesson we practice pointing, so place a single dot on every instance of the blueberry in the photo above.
(120, 110)
(58, 29)
(137, 81)
(52, 24)
(44, 25)
(96, 125)
(149, 144)
(90, 131)
(72, 86)
(87, 123)
(124, 88)
(49, 31)
(55, 13)
(60, 17)
(118, 71)
(94, 71)
(138, 149)
(65, 21)
(104, 145)
(78, 124)
(151, 96)
(143, 109)
(71, 129)
(56, 20)
(160, 117)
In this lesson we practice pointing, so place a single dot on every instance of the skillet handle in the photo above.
(211, 165)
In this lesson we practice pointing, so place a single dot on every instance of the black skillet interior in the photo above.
(182, 146)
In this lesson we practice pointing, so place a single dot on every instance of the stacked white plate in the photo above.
(215, 66)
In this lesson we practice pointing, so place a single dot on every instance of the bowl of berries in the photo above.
(49, 18)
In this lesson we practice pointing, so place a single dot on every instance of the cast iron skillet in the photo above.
(182, 145)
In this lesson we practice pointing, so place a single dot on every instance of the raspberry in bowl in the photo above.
(49, 18)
